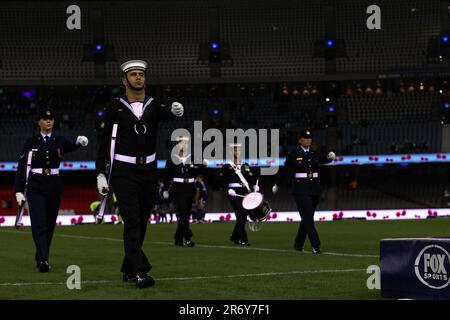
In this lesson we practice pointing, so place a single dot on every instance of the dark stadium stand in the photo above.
(270, 48)
(368, 123)
(269, 40)
(384, 50)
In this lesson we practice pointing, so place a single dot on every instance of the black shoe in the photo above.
(243, 243)
(190, 243)
(315, 250)
(298, 247)
(179, 243)
(129, 278)
(144, 281)
(44, 266)
(236, 241)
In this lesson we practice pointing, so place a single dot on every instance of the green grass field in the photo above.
(214, 269)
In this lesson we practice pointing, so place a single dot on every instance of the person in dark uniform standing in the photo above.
(126, 161)
(181, 173)
(301, 166)
(200, 197)
(239, 180)
(42, 154)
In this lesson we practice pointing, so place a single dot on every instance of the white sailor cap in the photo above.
(133, 65)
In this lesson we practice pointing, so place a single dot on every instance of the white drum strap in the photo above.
(241, 177)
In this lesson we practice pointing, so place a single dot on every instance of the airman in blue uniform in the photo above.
(44, 187)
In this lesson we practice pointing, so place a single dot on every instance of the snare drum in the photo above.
(258, 208)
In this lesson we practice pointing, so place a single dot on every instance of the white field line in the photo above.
(210, 246)
(245, 275)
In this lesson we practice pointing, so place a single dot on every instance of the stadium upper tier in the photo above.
(265, 39)
(366, 123)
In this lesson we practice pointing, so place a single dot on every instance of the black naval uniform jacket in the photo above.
(135, 137)
(230, 177)
(306, 163)
(187, 171)
(46, 155)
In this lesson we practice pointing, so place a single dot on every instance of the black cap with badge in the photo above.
(307, 134)
(46, 114)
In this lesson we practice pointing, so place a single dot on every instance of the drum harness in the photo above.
(241, 176)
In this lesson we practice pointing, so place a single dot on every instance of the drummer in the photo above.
(239, 180)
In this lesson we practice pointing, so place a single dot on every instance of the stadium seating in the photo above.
(273, 39)
(399, 44)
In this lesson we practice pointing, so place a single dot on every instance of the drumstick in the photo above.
(238, 195)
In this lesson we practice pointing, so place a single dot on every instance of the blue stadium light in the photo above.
(214, 45)
(329, 43)
(215, 112)
(446, 106)
(100, 113)
(331, 109)
(445, 39)
(99, 47)
(27, 94)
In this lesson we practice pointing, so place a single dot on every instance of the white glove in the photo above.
(102, 184)
(232, 193)
(331, 156)
(166, 194)
(177, 109)
(20, 198)
(82, 140)
(256, 188)
(274, 189)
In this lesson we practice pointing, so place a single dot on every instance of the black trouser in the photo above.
(306, 206)
(183, 198)
(135, 197)
(239, 233)
(43, 214)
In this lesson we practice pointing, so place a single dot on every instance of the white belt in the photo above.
(184, 180)
(305, 175)
(45, 171)
(235, 185)
(135, 160)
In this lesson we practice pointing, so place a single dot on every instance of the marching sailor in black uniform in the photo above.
(301, 166)
(126, 161)
(38, 182)
(181, 173)
(239, 180)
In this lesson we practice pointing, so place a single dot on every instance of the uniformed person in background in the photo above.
(239, 180)
(44, 185)
(160, 214)
(200, 197)
(302, 167)
(181, 173)
(133, 173)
